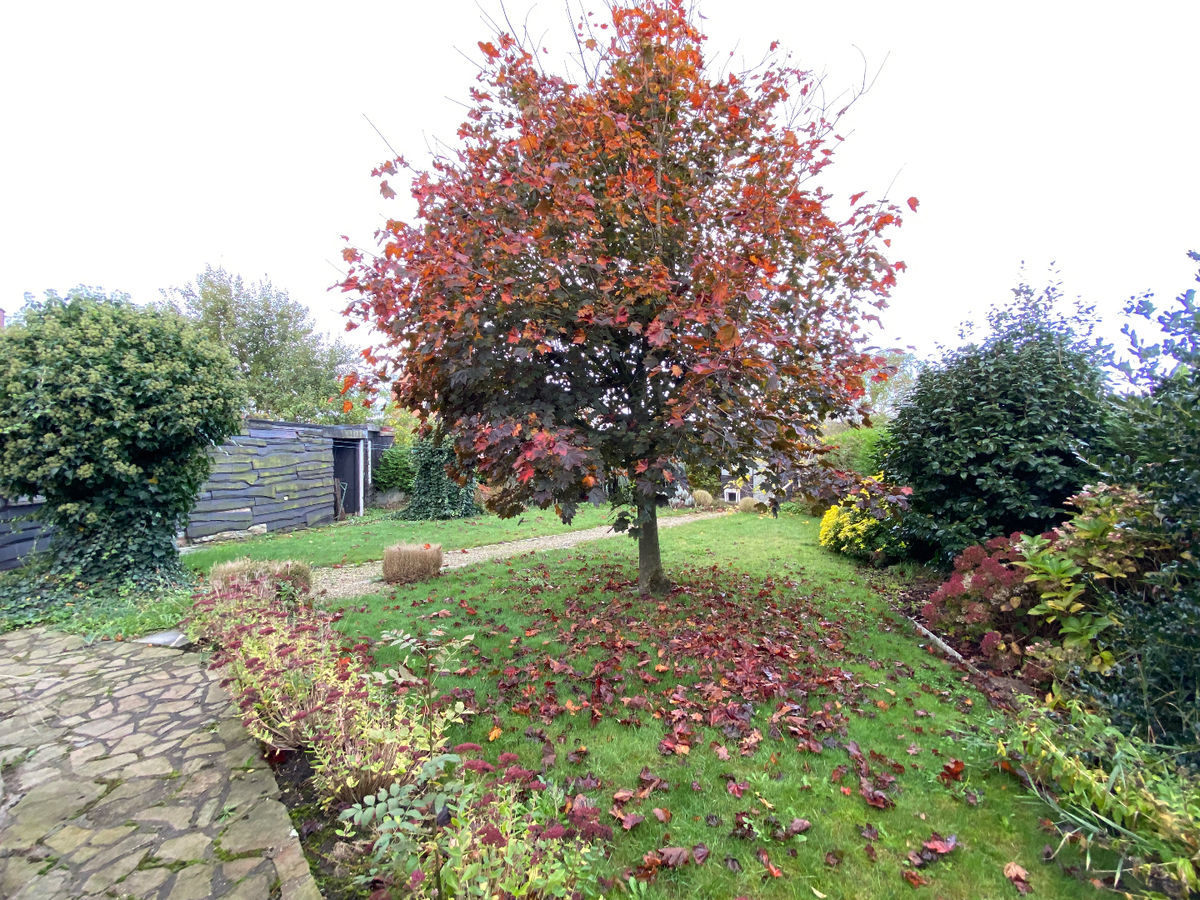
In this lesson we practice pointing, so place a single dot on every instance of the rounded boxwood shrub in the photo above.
(992, 438)
(107, 410)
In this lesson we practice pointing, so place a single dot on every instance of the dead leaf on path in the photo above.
(1018, 876)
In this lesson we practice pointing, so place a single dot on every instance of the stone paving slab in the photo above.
(124, 773)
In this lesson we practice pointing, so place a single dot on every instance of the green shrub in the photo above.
(397, 468)
(435, 495)
(501, 840)
(1157, 441)
(704, 478)
(854, 448)
(107, 409)
(990, 439)
(1107, 791)
(866, 524)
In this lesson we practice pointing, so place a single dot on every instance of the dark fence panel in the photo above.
(18, 536)
(276, 475)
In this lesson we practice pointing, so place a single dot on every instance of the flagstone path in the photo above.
(124, 773)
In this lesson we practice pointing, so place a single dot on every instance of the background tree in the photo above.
(992, 438)
(623, 270)
(107, 410)
(291, 371)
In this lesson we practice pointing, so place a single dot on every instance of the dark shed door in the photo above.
(345, 474)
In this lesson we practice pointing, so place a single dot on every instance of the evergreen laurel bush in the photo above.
(1157, 442)
(992, 438)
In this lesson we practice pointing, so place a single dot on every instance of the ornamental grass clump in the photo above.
(406, 563)
(703, 499)
(296, 575)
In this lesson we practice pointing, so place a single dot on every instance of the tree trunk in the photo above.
(651, 579)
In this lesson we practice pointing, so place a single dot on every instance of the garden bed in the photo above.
(678, 702)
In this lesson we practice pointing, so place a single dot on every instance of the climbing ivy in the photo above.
(435, 495)
(106, 410)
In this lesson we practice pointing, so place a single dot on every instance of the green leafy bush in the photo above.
(990, 439)
(106, 410)
(854, 449)
(1157, 439)
(1109, 792)
(866, 524)
(500, 838)
(435, 495)
(397, 468)
(298, 688)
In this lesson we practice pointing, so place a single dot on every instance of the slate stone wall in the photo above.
(19, 538)
(275, 474)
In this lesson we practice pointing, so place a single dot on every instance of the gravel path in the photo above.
(126, 773)
(367, 578)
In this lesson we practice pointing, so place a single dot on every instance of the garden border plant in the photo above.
(106, 410)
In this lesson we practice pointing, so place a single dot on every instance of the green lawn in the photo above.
(360, 540)
(566, 655)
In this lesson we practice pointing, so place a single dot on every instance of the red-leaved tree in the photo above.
(611, 277)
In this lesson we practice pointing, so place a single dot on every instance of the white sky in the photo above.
(141, 141)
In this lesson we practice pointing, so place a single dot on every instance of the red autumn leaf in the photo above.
(700, 853)
(912, 203)
(347, 406)
(623, 795)
(915, 878)
(1019, 878)
(736, 787)
(663, 815)
(773, 870)
(952, 771)
(675, 857)
(939, 845)
(489, 49)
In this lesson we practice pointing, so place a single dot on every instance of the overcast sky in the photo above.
(142, 141)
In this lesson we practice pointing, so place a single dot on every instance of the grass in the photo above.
(554, 631)
(363, 540)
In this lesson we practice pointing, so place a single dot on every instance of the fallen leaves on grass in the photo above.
(952, 771)
(1018, 876)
